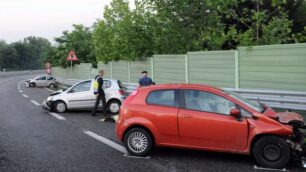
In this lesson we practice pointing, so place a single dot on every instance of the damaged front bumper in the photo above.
(297, 142)
(46, 105)
(27, 83)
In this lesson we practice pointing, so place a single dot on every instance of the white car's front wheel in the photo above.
(60, 106)
(51, 85)
(32, 84)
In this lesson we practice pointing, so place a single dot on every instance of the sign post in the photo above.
(71, 57)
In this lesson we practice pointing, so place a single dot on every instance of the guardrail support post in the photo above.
(186, 69)
(152, 68)
(90, 70)
(129, 71)
(111, 69)
(236, 69)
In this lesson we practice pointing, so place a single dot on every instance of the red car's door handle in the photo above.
(187, 116)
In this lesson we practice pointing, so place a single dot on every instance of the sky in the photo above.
(46, 18)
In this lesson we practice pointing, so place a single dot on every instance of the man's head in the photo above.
(144, 73)
(101, 72)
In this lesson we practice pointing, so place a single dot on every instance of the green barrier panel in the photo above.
(120, 71)
(106, 68)
(215, 68)
(136, 67)
(169, 69)
(280, 67)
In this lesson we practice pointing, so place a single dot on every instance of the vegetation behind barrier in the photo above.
(281, 67)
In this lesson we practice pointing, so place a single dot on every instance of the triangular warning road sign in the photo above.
(71, 56)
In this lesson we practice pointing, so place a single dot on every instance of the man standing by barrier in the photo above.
(145, 80)
(99, 92)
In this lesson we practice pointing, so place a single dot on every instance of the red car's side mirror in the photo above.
(235, 113)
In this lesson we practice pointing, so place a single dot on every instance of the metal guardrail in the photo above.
(67, 82)
(292, 100)
(16, 73)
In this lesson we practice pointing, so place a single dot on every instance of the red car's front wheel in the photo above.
(272, 152)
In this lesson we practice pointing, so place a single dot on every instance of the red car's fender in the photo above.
(266, 126)
(138, 121)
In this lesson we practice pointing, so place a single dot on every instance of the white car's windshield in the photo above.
(255, 105)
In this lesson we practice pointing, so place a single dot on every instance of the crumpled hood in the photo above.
(286, 117)
(56, 93)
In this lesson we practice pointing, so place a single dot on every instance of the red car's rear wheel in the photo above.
(138, 142)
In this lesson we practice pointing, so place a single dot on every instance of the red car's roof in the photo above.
(177, 86)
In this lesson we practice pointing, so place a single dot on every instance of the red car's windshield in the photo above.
(255, 105)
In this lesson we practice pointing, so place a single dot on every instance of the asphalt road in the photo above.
(32, 139)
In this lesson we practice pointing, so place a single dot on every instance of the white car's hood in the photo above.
(56, 93)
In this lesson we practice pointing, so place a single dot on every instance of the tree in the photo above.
(123, 34)
(182, 26)
(254, 22)
(9, 56)
(26, 54)
(79, 40)
(176, 27)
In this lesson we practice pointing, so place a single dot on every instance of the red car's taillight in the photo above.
(134, 93)
(130, 97)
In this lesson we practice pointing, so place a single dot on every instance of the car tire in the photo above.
(59, 106)
(52, 85)
(271, 152)
(113, 106)
(138, 142)
(32, 84)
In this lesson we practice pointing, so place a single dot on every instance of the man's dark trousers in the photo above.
(102, 98)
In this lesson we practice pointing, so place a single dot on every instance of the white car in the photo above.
(81, 96)
(41, 81)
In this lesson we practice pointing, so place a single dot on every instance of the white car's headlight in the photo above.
(49, 98)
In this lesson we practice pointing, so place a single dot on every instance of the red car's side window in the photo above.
(207, 102)
(163, 98)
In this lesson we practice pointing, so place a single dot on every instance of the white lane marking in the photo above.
(24, 95)
(18, 85)
(52, 91)
(57, 116)
(106, 141)
(116, 117)
(35, 102)
(268, 169)
(137, 157)
(20, 91)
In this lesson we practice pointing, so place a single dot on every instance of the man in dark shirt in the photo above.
(99, 92)
(145, 80)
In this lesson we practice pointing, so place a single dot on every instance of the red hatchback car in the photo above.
(208, 118)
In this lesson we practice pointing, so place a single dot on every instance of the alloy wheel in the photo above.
(137, 142)
(114, 107)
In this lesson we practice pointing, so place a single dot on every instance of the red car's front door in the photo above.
(205, 122)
